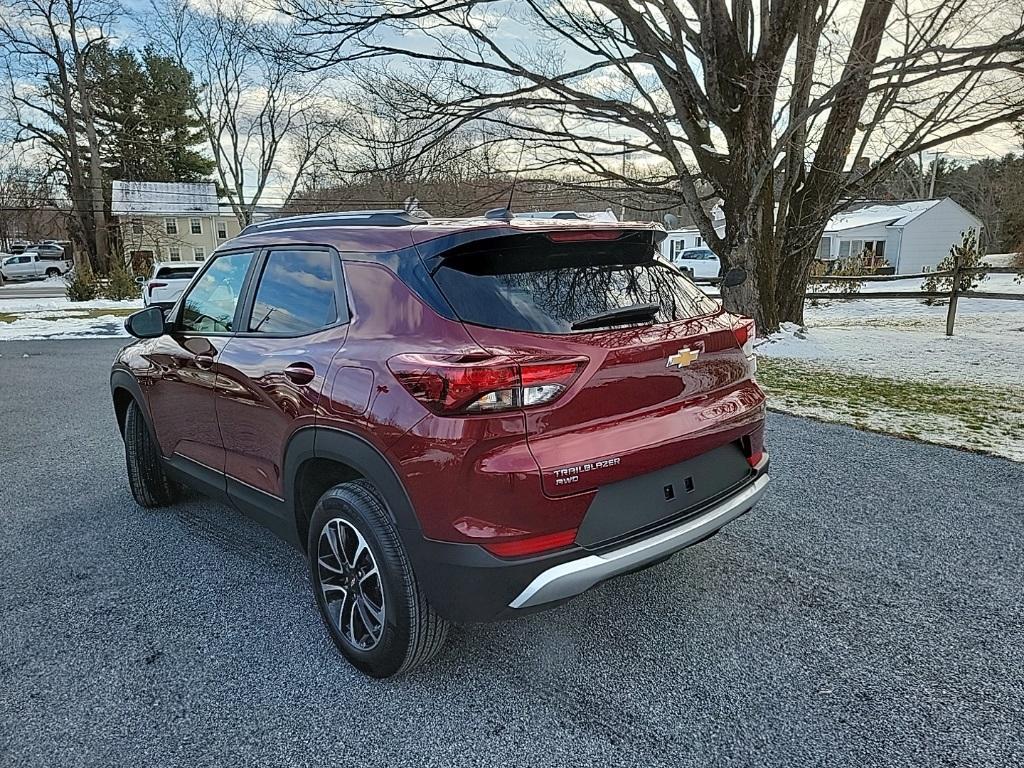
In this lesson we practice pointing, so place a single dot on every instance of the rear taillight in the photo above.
(745, 331)
(532, 545)
(449, 385)
(151, 286)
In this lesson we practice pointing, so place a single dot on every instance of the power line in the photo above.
(153, 196)
(292, 203)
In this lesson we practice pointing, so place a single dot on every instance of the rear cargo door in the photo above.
(665, 377)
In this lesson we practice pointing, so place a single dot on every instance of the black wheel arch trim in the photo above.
(355, 451)
(122, 379)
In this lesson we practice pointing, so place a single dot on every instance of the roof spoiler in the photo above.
(434, 252)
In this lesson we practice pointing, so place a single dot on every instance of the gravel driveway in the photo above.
(868, 613)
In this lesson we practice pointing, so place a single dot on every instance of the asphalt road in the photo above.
(34, 289)
(869, 613)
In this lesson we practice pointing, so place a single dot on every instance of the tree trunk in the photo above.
(80, 213)
(96, 198)
(755, 296)
(794, 270)
(750, 245)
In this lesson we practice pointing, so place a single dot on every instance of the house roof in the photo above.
(890, 214)
(159, 197)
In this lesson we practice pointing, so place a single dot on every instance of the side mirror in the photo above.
(735, 276)
(140, 280)
(147, 323)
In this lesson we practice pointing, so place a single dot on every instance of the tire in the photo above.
(150, 484)
(408, 631)
(53, 272)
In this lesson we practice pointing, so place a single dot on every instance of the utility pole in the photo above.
(935, 167)
(622, 211)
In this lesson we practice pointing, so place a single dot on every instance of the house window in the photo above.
(171, 226)
(222, 230)
(198, 254)
(848, 248)
(825, 249)
(136, 227)
(196, 226)
(699, 241)
(174, 253)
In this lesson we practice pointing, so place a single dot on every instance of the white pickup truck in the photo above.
(167, 283)
(29, 265)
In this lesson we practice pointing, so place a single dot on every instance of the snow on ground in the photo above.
(887, 364)
(905, 338)
(58, 318)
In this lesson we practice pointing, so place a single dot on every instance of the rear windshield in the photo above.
(547, 287)
(176, 273)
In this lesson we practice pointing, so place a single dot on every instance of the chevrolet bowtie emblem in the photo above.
(682, 358)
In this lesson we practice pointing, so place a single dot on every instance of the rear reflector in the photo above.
(531, 546)
(745, 332)
(449, 384)
(579, 235)
(755, 458)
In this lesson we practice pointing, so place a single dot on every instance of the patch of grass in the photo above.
(57, 314)
(116, 311)
(986, 418)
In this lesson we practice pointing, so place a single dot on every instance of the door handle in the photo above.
(204, 361)
(300, 373)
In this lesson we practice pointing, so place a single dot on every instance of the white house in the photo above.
(912, 236)
(164, 221)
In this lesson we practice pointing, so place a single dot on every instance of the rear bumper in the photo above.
(465, 583)
(576, 576)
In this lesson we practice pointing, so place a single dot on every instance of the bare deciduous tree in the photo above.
(46, 45)
(767, 107)
(378, 152)
(28, 205)
(263, 119)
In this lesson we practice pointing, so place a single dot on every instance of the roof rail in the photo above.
(386, 218)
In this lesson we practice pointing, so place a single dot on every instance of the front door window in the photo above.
(210, 306)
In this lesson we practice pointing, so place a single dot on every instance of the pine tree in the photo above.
(144, 107)
(121, 284)
(82, 286)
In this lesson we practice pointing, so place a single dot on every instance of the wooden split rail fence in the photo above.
(952, 296)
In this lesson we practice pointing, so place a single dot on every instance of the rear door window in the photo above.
(296, 294)
(547, 287)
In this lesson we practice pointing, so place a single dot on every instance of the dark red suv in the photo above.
(459, 420)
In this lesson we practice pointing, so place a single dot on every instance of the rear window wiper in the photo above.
(636, 313)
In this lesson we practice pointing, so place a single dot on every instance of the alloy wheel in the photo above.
(351, 584)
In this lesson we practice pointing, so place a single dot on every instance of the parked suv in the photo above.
(458, 420)
(167, 282)
(701, 262)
